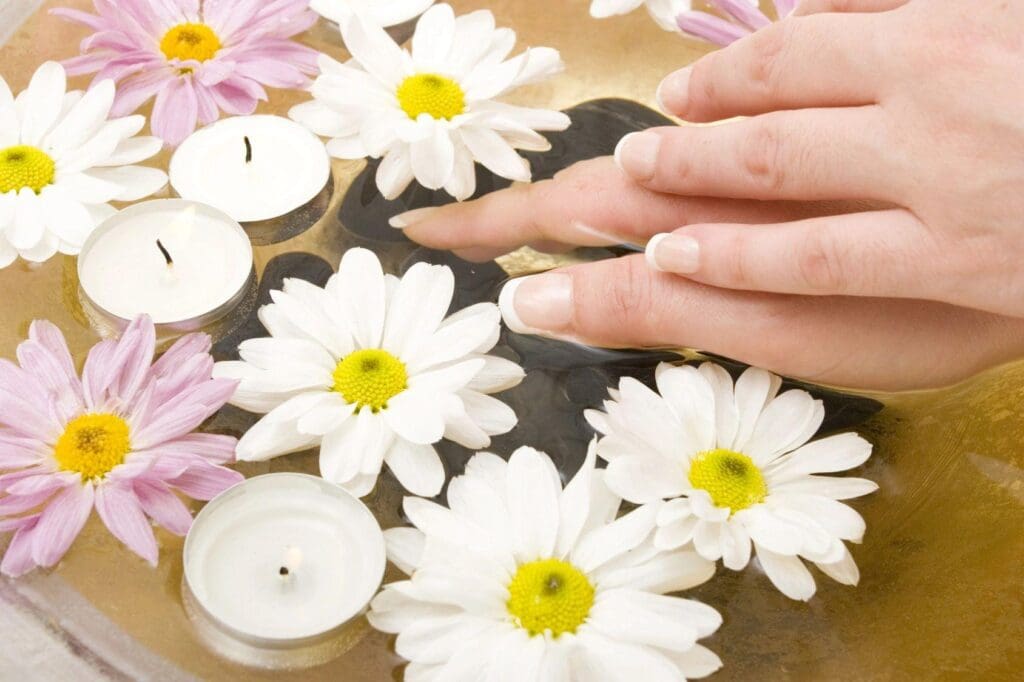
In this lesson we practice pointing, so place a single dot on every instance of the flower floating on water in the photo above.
(431, 113)
(61, 161)
(662, 11)
(370, 369)
(744, 17)
(738, 468)
(380, 12)
(525, 581)
(118, 440)
(196, 57)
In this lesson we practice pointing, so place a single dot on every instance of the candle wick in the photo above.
(248, 150)
(284, 570)
(165, 252)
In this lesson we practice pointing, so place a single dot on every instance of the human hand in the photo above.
(849, 341)
(916, 104)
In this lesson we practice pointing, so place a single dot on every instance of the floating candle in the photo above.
(283, 558)
(180, 262)
(253, 168)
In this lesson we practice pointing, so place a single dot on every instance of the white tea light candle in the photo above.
(251, 167)
(181, 262)
(282, 558)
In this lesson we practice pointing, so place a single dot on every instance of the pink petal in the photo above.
(43, 483)
(175, 112)
(204, 481)
(214, 448)
(784, 8)
(189, 373)
(273, 73)
(185, 413)
(50, 337)
(98, 373)
(17, 451)
(18, 558)
(122, 514)
(86, 63)
(163, 506)
(743, 12)
(91, 20)
(19, 504)
(710, 28)
(60, 523)
(183, 349)
(133, 357)
(208, 110)
(136, 91)
(238, 96)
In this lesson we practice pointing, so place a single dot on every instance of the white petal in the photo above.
(735, 543)
(726, 415)
(769, 530)
(417, 467)
(786, 423)
(606, 659)
(343, 450)
(836, 487)
(691, 397)
(65, 217)
(433, 38)
(697, 662)
(645, 478)
(787, 573)
(419, 415)
(84, 120)
(664, 573)
(376, 52)
(136, 182)
(27, 229)
(491, 150)
(405, 548)
(358, 288)
(418, 307)
(835, 453)
(616, 538)
(433, 158)
(533, 504)
(844, 571)
(753, 390)
(270, 438)
(835, 517)
(133, 150)
(676, 534)
(574, 504)
(395, 172)
(653, 619)
(462, 183)
(43, 101)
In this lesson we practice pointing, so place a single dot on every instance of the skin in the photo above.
(860, 227)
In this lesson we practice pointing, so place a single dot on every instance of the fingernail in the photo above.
(537, 304)
(674, 92)
(637, 154)
(676, 253)
(410, 218)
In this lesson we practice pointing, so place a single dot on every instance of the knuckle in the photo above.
(614, 303)
(768, 48)
(820, 265)
(762, 157)
(630, 296)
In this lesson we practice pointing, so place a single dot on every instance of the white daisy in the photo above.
(737, 466)
(430, 113)
(662, 11)
(522, 581)
(370, 369)
(62, 161)
(380, 12)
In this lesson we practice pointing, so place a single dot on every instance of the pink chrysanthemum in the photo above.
(119, 439)
(744, 17)
(198, 57)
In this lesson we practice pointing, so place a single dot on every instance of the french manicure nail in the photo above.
(674, 92)
(537, 304)
(637, 154)
(676, 253)
(410, 218)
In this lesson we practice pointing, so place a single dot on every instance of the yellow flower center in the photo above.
(190, 41)
(429, 93)
(23, 166)
(731, 478)
(550, 594)
(92, 445)
(370, 378)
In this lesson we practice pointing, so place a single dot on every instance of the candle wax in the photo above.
(282, 167)
(327, 542)
(124, 271)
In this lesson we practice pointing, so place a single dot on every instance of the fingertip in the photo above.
(674, 92)
(507, 306)
(651, 251)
